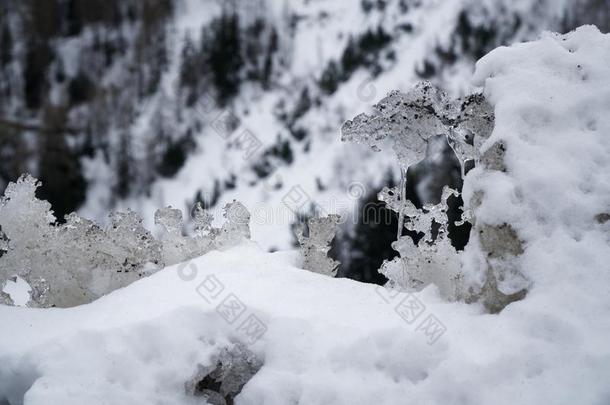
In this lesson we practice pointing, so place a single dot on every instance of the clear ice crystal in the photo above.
(427, 263)
(39, 292)
(77, 262)
(173, 243)
(316, 244)
(133, 244)
(170, 219)
(203, 219)
(411, 119)
(236, 227)
(419, 220)
(178, 248)
(433, 260)
(472, 128)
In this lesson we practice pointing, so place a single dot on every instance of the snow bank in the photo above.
(326, 339)
(551, 99)
(335, 341)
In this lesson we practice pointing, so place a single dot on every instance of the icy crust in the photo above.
(77, 262)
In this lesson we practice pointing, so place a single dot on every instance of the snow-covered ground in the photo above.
(324, 341)
(336, 341)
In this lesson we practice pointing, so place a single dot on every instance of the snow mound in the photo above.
(551, 99)
(335, 341)
(320, 338)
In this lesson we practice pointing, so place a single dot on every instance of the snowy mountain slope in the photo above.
(320, 165)
(336, 341)
(115, 105)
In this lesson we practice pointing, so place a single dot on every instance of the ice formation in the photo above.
(410, 120)
(203, 219)
(315, 244)
(236, 227)
(78, 261)
(433, 260)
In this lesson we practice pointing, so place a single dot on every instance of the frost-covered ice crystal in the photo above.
(132, 242)
(178, 248)
(170, 219)
(236, 226)
(78, 261)
(410, 120)
(315, 246)
(471, 128)
(173, 244)
(433, 260)
(203, 219)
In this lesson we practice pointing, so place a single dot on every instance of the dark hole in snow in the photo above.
(222, 381)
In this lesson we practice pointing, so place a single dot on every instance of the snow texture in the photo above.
(77, 262)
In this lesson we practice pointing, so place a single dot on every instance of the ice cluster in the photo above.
(314, 240)
(410, 121)
(177, 248)
(433, 259)
(78, 261)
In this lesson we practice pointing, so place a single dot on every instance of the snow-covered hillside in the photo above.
(296, 119)
(119, 107)
(254, 327)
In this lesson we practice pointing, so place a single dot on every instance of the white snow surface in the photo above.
(336, 341)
